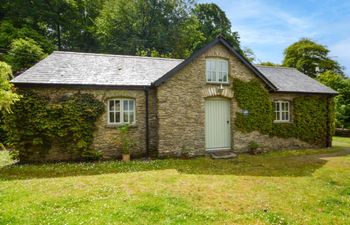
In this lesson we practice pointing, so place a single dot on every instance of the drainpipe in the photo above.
(328, 125)
(146, 89)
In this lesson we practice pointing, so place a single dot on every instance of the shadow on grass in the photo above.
(271, 164)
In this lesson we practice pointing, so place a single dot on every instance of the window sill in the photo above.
(282, 122)
(217, 83)
(120, 125)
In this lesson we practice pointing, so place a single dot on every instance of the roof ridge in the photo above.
(115, 55)
(277, 67)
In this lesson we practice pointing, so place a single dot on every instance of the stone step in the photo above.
(222, 155)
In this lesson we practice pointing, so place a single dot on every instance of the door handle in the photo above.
(227, 121)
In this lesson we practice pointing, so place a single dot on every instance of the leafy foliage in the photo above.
(7, 96)
(8, 33)
(213, 22)
(269, 64)
(162, 27)
(252, 96)
(309, 120)
(36, 123)
(124, 140)
(69, 23)
(342, 100)
(310, 58)
(249, 54)
(309, 114)
(24, 53)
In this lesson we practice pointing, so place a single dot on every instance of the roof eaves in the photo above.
(308, 92)
(123, 87)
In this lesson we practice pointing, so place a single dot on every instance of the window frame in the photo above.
(121, 111)
(280, 111)
(217, 72)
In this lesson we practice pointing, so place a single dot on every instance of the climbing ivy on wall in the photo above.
(309, 120)
(309, 114)
(37, 121)
(253, 97)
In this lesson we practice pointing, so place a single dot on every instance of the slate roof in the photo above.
(291, 80)
(72, 68)
(96, 69)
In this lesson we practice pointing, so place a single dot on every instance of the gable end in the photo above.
(221, 40)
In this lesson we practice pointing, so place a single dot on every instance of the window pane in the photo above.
(277, 107)
(277, 116)
(117, 105)
(224, 79)
(111, 105)
(207, 70)
(131, 105)
(285, 116)
(125, 106)
(225, 68)
(132, 117)
(117, 117)
(111, 117)
(213, 76)
(125, 117)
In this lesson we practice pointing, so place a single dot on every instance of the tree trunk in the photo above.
(59, 44)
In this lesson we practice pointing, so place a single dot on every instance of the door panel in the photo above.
(217, 124)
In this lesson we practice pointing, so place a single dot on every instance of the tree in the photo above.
(342, 100)
(131, 27)
(69, 23)
(249, 54)
(8, 32)
(214, 22)
(332, 80)
(343, 104)
(7, 96)
(24, 53)
(268, 63)
(310, 58)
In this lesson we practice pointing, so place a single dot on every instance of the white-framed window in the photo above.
(121, 111)
(282, 111)
(216, 70)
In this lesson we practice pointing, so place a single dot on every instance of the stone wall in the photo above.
(181, 112)
(181, 99)
(105, 135)
(242, 141)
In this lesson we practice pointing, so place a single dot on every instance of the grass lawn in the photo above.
(289, 187)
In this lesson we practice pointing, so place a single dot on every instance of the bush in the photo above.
(254, 148)
(124, 140)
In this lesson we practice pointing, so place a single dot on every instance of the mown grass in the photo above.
(289, 187)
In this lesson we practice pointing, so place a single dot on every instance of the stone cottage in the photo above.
(176, 106)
